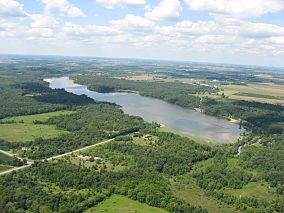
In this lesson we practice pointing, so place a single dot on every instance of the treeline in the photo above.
(34, 98)
(260, 117)
(43, 93)
(173, 92)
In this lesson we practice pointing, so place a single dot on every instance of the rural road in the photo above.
(51, 158)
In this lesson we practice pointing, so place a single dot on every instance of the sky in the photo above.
(219, 31)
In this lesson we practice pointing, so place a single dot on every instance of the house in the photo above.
(98, 159)
(85, 158)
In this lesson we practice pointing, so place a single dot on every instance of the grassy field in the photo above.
(185, 188)
(28, 132)
(25, 130)
(29, 119)
(260, 190)
(121, 204)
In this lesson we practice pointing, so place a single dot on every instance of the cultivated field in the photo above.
(268, 93)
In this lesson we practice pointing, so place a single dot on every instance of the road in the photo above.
(29, 163)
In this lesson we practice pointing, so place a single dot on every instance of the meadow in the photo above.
(29, 119)
(23, 128)
(121, 204)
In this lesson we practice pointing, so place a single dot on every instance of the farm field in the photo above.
(121, 204)
(268, 93)
(25, 130)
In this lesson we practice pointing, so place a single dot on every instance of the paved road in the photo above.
(54, 157)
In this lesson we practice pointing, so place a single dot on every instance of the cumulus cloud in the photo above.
(110, 4)
(11, 8)
(75, 30)
(44, 21)
(237, 8)
(131, 22)
(64, 6)
(166, 10)
(260, 30)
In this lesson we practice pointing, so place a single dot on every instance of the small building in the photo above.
(24, 149)
(85, 158)
(98, 159)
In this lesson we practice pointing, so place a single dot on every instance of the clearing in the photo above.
(24, 128)
(121, 204)
(185, 188)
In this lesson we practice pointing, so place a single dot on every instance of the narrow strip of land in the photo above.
(51, 158)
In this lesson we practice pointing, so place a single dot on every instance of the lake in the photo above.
(150, 109)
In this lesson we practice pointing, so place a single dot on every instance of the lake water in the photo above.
(150, 109)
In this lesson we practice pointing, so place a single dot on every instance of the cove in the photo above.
(150, 109)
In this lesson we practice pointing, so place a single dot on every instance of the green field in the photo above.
(29, 119)
(121, 204)
(28, 132)
(260, 190)
(25, 130)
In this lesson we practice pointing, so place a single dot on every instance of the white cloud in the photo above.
(11, 8)
(260, 30)
(41, 32)
(64, 6)
(166, 10)
(237, 8)
(75, 30)
(131, 21)
(110, 4)
(44, 21)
